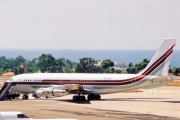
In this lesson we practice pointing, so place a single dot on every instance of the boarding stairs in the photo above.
(4, 91)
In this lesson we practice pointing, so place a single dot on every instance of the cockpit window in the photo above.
(22, 116)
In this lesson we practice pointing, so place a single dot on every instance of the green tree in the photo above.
(68, 70)
(61, 63)
(107, 66)
(99, 69)
(176, 71)
(4, 65)
(141, 65)
(8, 70)
(15, 70)
(107, 70)
(1, 71)
(19, 60)
(2, 58)
(31, 70)
(34, 63)
(86, 65)
(69, 63)
(107, 63)
(12, 63)
(74, 64)
(132, 70)
(47, 63)
(130, 65)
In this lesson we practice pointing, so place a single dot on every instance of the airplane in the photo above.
(16, 115)
(93, 85)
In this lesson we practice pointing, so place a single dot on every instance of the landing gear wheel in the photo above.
(25, 97)
(75, 98)
(79, 98)
(82, 98)
(97, 97)
(90, 97)
(93, 97)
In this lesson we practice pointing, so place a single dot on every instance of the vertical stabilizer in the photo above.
(159, 64)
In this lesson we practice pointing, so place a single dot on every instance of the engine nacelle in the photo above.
(50, 92)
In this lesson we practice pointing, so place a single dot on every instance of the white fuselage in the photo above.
(91, 83)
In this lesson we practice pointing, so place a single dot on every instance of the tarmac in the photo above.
(159, 103)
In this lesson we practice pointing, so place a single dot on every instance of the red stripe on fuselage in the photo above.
(85, 82)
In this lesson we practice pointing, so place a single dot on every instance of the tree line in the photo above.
(44, 63)
(47, 63)
(137, 67)
(141, 65)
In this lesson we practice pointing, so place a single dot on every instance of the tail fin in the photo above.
(159, 64)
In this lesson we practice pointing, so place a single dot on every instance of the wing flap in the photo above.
(71, 87)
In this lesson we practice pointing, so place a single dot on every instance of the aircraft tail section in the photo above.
(159, 64)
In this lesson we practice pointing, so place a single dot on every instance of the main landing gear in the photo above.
(89, 97)
(79, 98)
(25, 97)
(93, 97)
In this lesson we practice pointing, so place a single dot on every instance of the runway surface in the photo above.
(159, 103)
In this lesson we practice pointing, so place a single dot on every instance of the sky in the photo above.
(88, 24)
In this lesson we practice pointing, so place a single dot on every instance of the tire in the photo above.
(25, 97)
(74, 98)
(82, 98)
(98, 97)
(90, 97)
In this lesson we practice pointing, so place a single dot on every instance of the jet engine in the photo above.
(50, 92)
